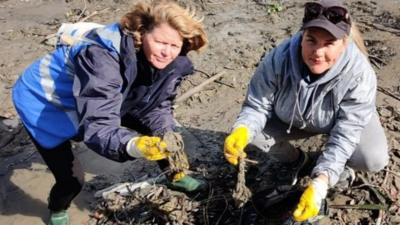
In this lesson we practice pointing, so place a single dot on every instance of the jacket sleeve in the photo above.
(97, 87)
(259, 100)
(160, 119)
(355, 111)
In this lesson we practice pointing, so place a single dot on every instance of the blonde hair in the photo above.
(356, 36)
(145, 16)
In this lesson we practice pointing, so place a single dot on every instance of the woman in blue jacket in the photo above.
(112, 88)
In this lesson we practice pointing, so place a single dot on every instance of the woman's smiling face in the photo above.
(162, 45)
(320, 50)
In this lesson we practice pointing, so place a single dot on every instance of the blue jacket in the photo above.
(82, 90)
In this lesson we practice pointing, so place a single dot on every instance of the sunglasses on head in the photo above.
(334, 14)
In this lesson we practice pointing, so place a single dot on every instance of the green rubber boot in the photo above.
(188, 184)
(59, 218)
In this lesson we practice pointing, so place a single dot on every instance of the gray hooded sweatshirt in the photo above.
(340, 103)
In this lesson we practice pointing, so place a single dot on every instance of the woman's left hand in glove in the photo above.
(310, 201)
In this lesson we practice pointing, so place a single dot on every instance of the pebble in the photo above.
(11, 123)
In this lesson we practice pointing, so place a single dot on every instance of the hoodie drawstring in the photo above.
(296, 106)
(313, 102)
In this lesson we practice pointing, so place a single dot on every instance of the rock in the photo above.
(11, 123)
(385, 112)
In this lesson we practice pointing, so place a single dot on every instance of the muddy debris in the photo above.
(241, 194)
(240, 32)
(177, 158)
(151, 205)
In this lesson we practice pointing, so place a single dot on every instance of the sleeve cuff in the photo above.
(132, 150)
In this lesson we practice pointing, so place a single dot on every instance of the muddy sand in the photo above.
(239, 33)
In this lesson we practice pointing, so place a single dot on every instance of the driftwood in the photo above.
(198, 87)
(386, 92)
(379, 27)
(361, 207)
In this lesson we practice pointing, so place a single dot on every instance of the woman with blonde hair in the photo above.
(111, 87)
(317, 82)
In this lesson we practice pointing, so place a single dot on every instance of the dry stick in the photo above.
(376, 58)
(380, 197)
(223, 212)
(199, 87)
(217, 81)
(93, 14)
(385, 179)
(82, 20)
(362, 207)
(205, 212)
(380, 217)
(392, 172)
(379, 27)
(83, 10)
(386, 92)
(387, 29)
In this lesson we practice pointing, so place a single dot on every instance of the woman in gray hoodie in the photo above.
(318, 82)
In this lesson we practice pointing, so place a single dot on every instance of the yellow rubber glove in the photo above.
(235, 144)
(151, 148)
(310, 201)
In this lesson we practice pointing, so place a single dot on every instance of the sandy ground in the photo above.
(240, 31)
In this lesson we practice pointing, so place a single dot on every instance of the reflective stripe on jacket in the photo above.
(82, 90)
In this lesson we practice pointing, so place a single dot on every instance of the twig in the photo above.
(203, 4)
(93, 14)
(203, 72)
(385, 179)
(376, 58)
(223, 212)
(241, 216)
(362, 207)
(199, 87)
(217, 81)
(380, 197)
(386, 92)
(380, 216)
(82, 20)
(83, 10)
(250, 161)
(392, 172)
(228, 85)
(379, 27)
(387, 29)
(205, 212)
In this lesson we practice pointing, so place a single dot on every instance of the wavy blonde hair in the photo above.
(355, 34)
(145, 16)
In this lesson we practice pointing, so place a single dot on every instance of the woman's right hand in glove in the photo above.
(148, 147)
(235, 143)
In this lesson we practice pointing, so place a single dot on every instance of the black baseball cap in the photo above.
(330, 15)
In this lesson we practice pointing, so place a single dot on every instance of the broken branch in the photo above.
(362, 207)
(386, 92)
(199, 87)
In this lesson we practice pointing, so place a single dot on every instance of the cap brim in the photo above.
(326, 25)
